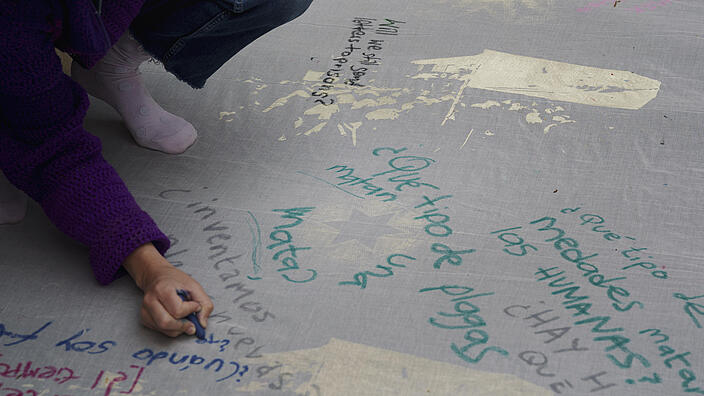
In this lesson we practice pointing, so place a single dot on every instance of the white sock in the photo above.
(13, 202)
(116, 80)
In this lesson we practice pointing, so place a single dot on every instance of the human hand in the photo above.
(162, 308)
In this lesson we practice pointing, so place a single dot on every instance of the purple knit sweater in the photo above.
(44, 149)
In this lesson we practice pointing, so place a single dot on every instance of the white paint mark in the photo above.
(516, 74)
(386, 100)
(342, 130)
(353, 126)
(313, 76)
(425, 76)
(489, 133)
(282, 138)
(323, 112)
(560, 120)
(517, 107)
(436, 150)
(382, 114)
(547, 128)
(224, 114)
(316, 128)
(534, 117)
(486, 105)
(346, 98)
(451, 113)
(298, 122)
(467, 139)
(282, 101)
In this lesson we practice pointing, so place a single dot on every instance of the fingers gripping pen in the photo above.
(200, 331)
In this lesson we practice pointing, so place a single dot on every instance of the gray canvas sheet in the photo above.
(479, 197)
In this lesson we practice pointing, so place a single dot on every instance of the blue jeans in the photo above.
(194, 38)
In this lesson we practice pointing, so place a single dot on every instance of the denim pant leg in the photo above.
(194, 38)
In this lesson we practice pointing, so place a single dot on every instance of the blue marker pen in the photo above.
(200, 331)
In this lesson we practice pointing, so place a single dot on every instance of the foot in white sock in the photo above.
(13, 202)
(116, 80)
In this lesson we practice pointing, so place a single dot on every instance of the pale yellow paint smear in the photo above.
(346, 98)
(316, 128)
(353, 126)
(555, 110)
(323, 112)
(425, 76)
(385, 100)
(282, 101)
(451, 113)
(467, 139)
(343, 368)
(517, 107)
(542, 78)
(312, 75)
(486, 105)
(560, 120)
(382, 114)
(533, 117)
(224, 114)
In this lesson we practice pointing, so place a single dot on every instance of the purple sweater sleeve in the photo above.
(46, 152)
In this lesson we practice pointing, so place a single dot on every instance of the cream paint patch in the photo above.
(533, 117)
(542, 78)
(316, 128)
(467, 139)
(359, 105)
(382, 114)
(369, 98)
(559, 120)
(486, 105)
(323, 112)
(345, 368)
(353, 126)
(282, 101)
(227, 116)
(517, 107)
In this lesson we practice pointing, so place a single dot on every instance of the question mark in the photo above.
(245, 369)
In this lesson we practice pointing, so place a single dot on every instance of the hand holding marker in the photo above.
(200, 331)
